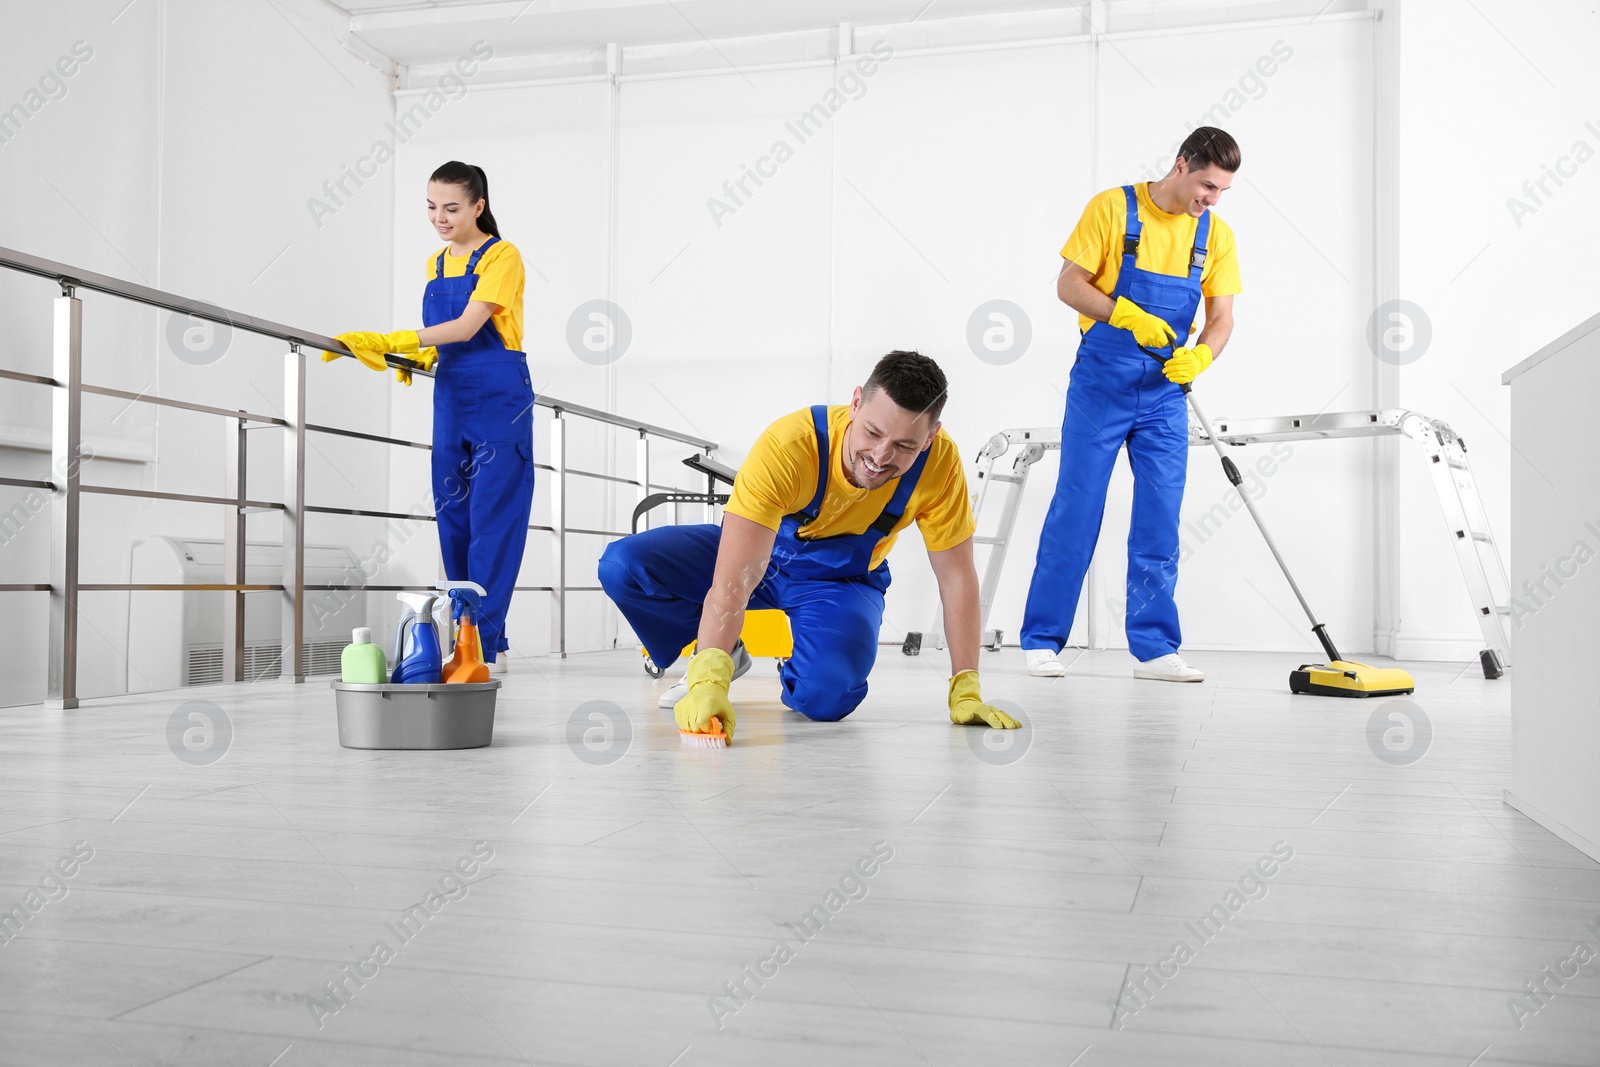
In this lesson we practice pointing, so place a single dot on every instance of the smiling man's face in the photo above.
(1200, 189)
(883, 439)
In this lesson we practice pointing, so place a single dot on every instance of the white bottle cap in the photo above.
(361, 636)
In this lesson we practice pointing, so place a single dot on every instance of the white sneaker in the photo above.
(1168, 668)
(680, 689)
(1042, 663)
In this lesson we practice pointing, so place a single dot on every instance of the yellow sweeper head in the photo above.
(1343, 678)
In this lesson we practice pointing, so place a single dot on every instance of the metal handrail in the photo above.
(68, 489)
(312, 427)
(75, 278)
(36, 379)
(184, 405)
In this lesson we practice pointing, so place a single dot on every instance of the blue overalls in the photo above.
(659, 580)
(1117, 394)
(482, 452)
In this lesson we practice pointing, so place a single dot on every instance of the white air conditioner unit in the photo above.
(175, 638)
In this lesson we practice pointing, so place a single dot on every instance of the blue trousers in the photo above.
(659, 580)
(1114, 398)
(483, 477)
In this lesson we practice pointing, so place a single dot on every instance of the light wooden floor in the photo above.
(621, 896)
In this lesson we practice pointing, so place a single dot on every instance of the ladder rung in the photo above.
(988, 540)
(1012, 478)
(1476, 535)
(1499, 609)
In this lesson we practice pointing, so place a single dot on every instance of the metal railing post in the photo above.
(235, 450)
(1094, 639)
(711, 493)
(294, 503)
(66, 429)
(558, 529)
(641, 467)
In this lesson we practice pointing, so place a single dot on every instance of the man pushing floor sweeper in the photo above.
(815, 509)
(1137, 267)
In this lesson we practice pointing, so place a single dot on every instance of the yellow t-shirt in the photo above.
(1164, 245)
(500, 282)
(779, 477)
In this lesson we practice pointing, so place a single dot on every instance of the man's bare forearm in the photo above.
(743, 552)
(958, 591)
(1216, 334)
(960, 595)
(1077, 291)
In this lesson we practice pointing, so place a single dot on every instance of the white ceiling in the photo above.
(429, 32)
(438, 30)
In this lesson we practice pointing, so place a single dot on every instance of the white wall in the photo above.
(171, 162)
(942, 182)
(953, 179)
(1295, 93)
(951, 191)
(1496, 284)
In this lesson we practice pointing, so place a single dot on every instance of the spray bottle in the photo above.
(467, 664)
(417, 656)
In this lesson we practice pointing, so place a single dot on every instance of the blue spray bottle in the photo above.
(418, 660)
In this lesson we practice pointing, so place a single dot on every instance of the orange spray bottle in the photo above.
(467, 664)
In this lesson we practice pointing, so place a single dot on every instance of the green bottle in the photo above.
(362, 662)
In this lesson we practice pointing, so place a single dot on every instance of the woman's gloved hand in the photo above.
(1149, 330)
(1187, 364)
(370, 347)
(710, 674)
(367, 347)
(401, 342)
(967, 706)
(423, 357)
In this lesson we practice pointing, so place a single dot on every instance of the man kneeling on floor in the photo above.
(814, 512)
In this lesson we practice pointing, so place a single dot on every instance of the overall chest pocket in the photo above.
(1173, 299)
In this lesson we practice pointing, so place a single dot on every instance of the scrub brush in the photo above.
(713, 738)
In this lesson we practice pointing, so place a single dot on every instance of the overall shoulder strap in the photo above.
(1130, 238)
(896, 507)
(438, 264)
(1197, 257)
(477, 254)
(819, 422)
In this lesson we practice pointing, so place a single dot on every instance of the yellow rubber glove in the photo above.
(1147, 329)
(423, 357)
(401, 342)
(710, 674)
(966, 706)
(367, 347)
(1186, 364)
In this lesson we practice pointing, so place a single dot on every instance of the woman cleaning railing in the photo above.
(66, 486)
(483, 399)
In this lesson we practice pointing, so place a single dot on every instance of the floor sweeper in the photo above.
(1338, 677)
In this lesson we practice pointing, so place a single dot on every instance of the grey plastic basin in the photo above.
(435, 716)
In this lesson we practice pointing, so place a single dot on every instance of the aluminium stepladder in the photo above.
(1478, 554)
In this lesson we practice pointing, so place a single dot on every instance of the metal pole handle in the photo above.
(1237, 480)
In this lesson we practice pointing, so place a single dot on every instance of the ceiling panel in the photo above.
(439, 30)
